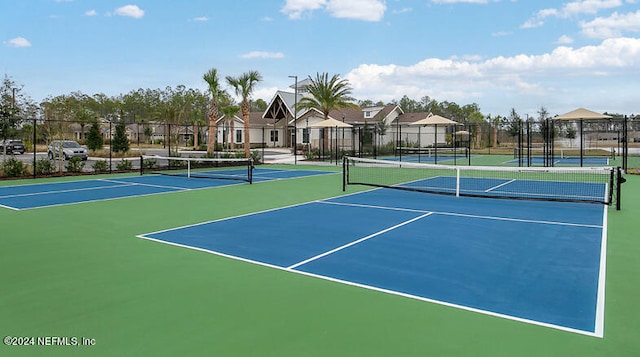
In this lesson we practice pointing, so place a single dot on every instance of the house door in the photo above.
(290, 138)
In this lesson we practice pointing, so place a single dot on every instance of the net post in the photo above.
(619, 181)
(189, 168)
(250, 170)
(344, 173)
(141, 166)
(457, 182)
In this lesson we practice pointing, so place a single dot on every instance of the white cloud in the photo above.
(265, 94)
(588, 6)
(612, 26)
(17, 42)
(365, 10)
(571, 9)
(262, 54)
(522, 75)
(130, 11)
(200, 19)
(296, 8)
(91, 13)
(564, 40)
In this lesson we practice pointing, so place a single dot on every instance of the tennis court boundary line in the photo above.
(357, 241)
(600, 297)
(378, 289)
(521, 220)
(600, 301)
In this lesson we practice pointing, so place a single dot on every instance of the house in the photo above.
(387, 125)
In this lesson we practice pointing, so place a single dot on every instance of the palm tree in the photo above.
(327, 94)
(244, 86)
(211, 77)
(230, 112)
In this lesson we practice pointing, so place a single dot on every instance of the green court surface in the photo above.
(79, 271)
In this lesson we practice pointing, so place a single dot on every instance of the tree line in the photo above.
(187, 106)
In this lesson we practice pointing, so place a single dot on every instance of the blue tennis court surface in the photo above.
(62, 193)
(535, 262)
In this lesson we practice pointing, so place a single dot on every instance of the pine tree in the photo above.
(94, 138)
(120, 142)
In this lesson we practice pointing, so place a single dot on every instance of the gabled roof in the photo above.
(407, 118)
(236, 118)
(281, 105)
(356, 115)
(387, 110)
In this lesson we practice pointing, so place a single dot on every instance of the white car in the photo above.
(66, 149)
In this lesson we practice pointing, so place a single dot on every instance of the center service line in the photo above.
(357, 241)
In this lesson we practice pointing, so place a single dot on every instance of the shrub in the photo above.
(257, 158)
(13, 167)
(75, 164)
(44, 166)
(100, 166)
(313, 154)
(149, 163)
(124, 165)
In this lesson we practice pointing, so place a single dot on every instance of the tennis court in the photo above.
(539, 263)
(290, 267)
(22, 197)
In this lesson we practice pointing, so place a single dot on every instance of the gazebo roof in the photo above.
(582, 113)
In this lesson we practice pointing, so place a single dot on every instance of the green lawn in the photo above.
(79, 270)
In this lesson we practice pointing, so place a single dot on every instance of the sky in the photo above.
(500, 54)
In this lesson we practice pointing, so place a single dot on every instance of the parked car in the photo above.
(66, 149)
(13, 146)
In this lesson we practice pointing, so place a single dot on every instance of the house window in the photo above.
(274, 136)
(367, 114)
(238, 136)
(305, 135)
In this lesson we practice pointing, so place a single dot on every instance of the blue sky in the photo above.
(501, 54)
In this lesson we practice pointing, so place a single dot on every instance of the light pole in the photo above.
(295, 120)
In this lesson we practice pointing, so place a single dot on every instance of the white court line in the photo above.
(600, 312)
(500, 185)
(127, 183)
(9, 207)
(60, 191)
(496, 218)
(357, 241)
(599, 330)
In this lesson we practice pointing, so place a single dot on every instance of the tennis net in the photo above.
(580, 184)
(240, 169)
(431, 152)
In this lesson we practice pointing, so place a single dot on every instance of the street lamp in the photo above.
(295, 120)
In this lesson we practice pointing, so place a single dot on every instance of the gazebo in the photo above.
(332, 123)
(581, 114)
(435, 120)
